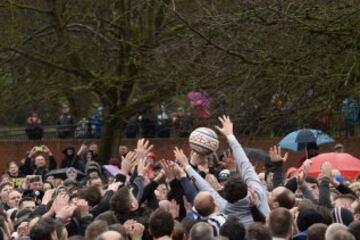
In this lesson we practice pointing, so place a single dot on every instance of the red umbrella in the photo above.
(348, 165)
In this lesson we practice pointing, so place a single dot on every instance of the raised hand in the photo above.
(47, 150)
(252, 197)
(168, 169)
(83, 207)
(326, 170)
(143, 148)
(276, 155)
(227, 128)
(178, 171)
(174, 209)
(305, 168)
(228, 161)
(181, 157)
(128, 162)
(134, 229)
(142, 166)
(212, 180)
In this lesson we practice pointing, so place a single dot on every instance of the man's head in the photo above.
(235, 189)
(201, 231)
(5, 189)
(233, 229)
(332, 229)
(27, 202)
(355, 207)
(344, 201)
(95, 229)
(44, 229)
(71, 173)
(313, 184)
(40, 161)
(339, 148)
(36, 183)
(123, 150)
(317, 231)
(204, 204)
(94, 148)
(13, 168)
(14, 199)
(281, 197)
(354, 228)
(110, 235)
(341, 235)
(123, 201)
(161, 224)
(258, 231)
(91, 194)
(280, 222)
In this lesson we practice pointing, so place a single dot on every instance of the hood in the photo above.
(69, 147)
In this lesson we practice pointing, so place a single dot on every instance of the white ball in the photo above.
(203, 141)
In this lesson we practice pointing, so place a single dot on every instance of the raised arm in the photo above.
(245, 168)
(200, 182)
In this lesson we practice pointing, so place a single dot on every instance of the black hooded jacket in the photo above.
(73, 160)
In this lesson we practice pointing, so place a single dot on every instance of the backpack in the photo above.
(350, 110)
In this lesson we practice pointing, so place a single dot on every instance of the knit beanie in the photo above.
(308, 217)
(342, 215)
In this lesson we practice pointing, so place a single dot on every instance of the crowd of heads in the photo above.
(189, 197)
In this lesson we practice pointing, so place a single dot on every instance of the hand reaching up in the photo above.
(227, 126)
(128, 162)
(143, 148)
(134, 229)
(181, 157)
(276, 155)
(168, 169)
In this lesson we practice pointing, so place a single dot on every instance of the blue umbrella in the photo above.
(299, 139)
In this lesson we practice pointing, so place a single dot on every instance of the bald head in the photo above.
(204, 204)
(110, 235)
(282, 197)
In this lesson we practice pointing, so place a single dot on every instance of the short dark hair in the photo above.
(280, 222)
(311, 179)
(95, 229)
(120, 202)
(317, 231)
(43, 229)
(161, 223)
(108, 216)
(286, 199)
(259, 231)
(91, 194)
(235, 189)
(178, 232)
(3, 185)
(26, 199)
(233, 229)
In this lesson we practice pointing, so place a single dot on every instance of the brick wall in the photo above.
(15, 150)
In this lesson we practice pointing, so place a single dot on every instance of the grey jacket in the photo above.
(247, 172)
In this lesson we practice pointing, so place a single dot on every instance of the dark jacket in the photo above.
(73, 160)
(34, 131)
(30, 169)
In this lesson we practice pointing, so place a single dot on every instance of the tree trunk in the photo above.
(111, 135)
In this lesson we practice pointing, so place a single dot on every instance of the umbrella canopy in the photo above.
(112, 170)
(61, 173)
(299, 139)
(348, 165)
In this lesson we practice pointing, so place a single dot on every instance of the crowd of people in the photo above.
(195, 197)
